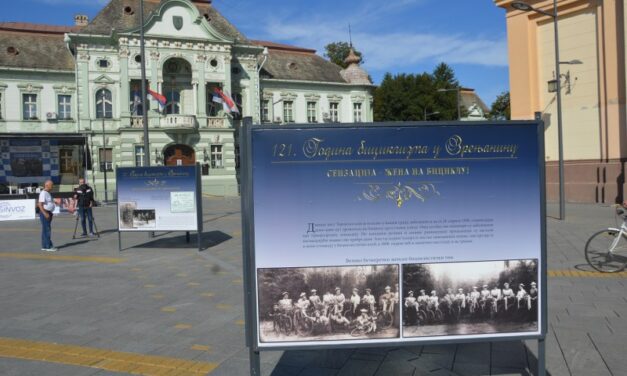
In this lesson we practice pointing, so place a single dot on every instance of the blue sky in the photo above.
(397, 36)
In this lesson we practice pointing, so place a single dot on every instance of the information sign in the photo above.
(396, 234)
(158, 198)
(16, 210)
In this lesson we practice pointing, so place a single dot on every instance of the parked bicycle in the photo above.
(606, 250)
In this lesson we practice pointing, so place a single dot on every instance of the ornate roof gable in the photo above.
(182, 20)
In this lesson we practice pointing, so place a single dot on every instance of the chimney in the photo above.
(81, 20)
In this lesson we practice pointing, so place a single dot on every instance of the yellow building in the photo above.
(592, 55)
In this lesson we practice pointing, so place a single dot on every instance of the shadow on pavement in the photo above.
(500, 358)
(207, 240)
(584, 268)
(72, 244)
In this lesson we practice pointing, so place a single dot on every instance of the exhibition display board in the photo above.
(392, 234)
(159, 198)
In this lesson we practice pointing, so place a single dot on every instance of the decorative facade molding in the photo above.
(64, 89)
(310, 97)
(289, 96)
(358, 98)
(334, 98)
(29, 88)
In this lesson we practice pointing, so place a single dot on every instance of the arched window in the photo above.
(173, 104)
(104, 104)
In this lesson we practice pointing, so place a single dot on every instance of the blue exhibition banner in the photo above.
(408, 233)
(158, 198)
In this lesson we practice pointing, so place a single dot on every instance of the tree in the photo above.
(338, 51)
(414, 97)
(500, 109)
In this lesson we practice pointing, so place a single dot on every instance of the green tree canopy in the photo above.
(414, 97)
(338, 51)
(500, 109)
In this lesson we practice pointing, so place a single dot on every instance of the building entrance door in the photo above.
(179, 155)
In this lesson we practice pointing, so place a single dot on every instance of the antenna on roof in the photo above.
(350, 35)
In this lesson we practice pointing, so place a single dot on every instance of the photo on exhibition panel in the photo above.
(470, 298)
(328, 303)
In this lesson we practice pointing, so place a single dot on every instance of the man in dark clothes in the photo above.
(84, 197)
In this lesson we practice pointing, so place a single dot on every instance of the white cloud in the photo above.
(387, 51)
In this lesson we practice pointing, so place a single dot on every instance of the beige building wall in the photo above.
(593, 105)
(580, 99)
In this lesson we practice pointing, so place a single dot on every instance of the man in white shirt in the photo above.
(46, 207)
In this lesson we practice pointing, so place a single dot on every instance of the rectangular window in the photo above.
(104, 104)
(265, 111)
(29, 102)
(106, 159)
(288, 111)
(66, 159)
(334, 112)
(357, 112)
(136, 108)
(216, 156)
(214, 109)
(139, 155)
(64, 111)
(312, 112)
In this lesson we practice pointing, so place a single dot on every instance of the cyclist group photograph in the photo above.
(329, 303)
(470, 298)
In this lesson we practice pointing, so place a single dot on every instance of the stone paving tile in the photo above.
(12, 367)
(114, 306)
(580, 354)
(399, 368)
(359, 367)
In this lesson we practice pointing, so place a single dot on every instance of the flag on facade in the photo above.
(158, 97)
(227, 102)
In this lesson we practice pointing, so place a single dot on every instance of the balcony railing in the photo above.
(137, 122)
(178, 121)
(217, 122)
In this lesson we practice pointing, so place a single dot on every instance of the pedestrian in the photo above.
(46, 207)
(84, 197)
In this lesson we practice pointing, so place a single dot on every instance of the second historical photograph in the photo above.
(470, 298)
(328, 303)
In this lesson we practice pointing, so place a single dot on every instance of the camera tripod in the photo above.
(93, 221)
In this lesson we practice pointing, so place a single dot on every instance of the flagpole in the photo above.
(143, 73)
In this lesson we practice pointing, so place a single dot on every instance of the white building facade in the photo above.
(73, 94)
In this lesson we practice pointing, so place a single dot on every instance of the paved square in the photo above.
(161, 308)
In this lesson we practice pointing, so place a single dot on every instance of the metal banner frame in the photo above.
(199, 221)
(249, 257)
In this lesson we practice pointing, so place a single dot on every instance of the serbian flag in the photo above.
(227, 101)
(158, 97)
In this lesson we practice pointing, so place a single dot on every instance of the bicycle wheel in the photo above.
(606, 252)
(385, 320)
(358, 331)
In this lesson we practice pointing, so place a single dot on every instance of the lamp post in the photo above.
(104, 142)
(522, 6)
(263, 62)
(459, 102)
(142, 53)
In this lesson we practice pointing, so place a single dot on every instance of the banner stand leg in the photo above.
(255, 362)
(119, 241)
(187, 237)
(199, 234)
(541, 357)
